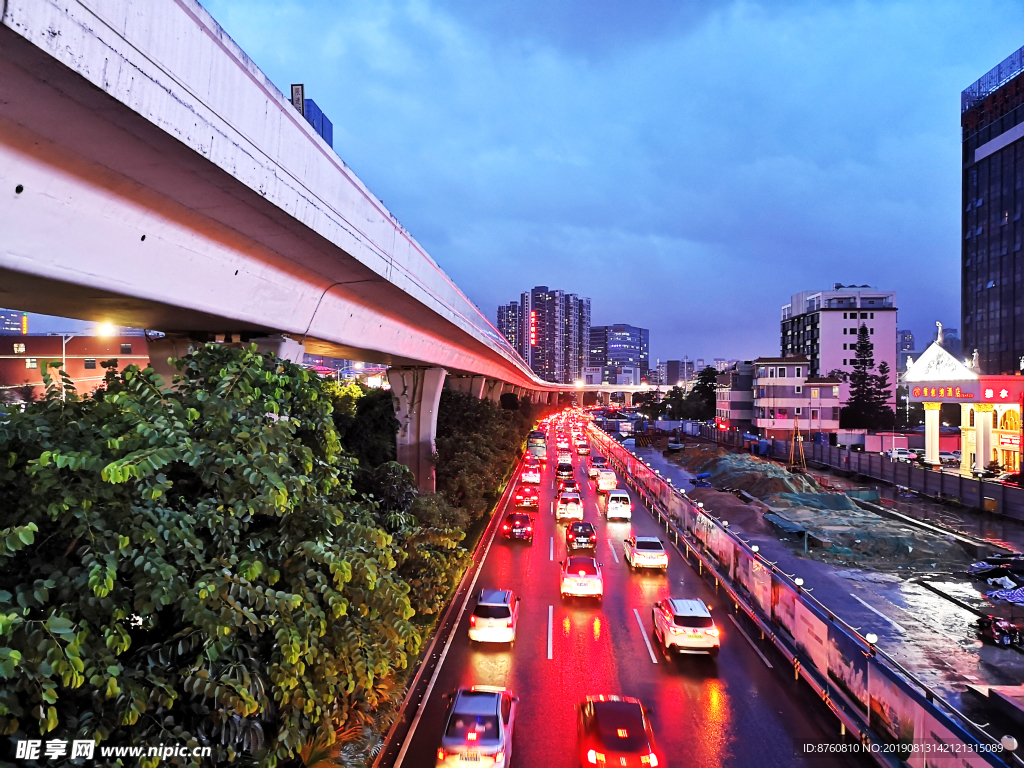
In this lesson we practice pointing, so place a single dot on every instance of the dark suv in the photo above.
(580, 535)
(564, 471)
(518, 526)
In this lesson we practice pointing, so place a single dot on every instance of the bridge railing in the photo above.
(883, 705)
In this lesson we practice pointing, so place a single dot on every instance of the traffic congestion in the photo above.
(589, 641)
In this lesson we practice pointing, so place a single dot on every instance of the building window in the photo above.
(972, 417)
(799, 373)
(771, 413)
(799, 389)
(782, 372)
(771, 373)
(844, 361)
(126, 349)
(871, 330)
(31, 362)
(835, 393)
(844, 331)
(844, 346)
(872, 315)
(814, 393)
(835, 414)
(814, 413)
(19, 349)
(90, 363)
(863, 315)
(995, 420)
(798, 411)
(783, 413)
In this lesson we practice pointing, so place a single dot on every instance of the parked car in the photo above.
(949, 457)
(479, 727)
(1013, 478)
(901, 454)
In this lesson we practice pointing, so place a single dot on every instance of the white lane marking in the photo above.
(752, 645)
(440, 662)
(551, 548)
(551, 621)
(643, 634)
(552, 509)
(878, 613)
(612, 548)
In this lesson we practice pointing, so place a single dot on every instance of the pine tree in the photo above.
(859, 408)
(883, 415)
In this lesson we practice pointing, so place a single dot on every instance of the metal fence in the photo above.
(1000, 498)
(877, 700)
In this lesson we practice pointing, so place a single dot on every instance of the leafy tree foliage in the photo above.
(366, 423)
(698, 405)
(868, 406)
(194, 565)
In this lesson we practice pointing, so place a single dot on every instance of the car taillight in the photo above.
(508, 623)
(440, 754)
(499, 756)
(583, 573)
(651, 760)
(472, 621)
(471, 735)
(504, 527)
(713, 632)
(595, 757)
(528, 529)
(572, 536)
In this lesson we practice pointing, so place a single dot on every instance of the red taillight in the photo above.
(471, 735)
(440, 754)
(472, 621)
(572, 536)
(528, 529)
(508, 623)
(713, 632)
(504, 527)
(499, 756)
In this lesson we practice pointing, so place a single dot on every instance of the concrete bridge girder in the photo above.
(416, 393)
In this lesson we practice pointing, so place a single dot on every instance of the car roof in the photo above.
(618, 492)
(494, 597)
(582, 523)
(648, 538)
(688, 607)
(578, 561)
(469, 702)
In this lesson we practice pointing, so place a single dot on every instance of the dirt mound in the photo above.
(742, 471)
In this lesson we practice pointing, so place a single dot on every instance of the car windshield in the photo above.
(492, 612)
(701, 622)
(582, 566)
(651, 545)
(480, 726)
(582, 528)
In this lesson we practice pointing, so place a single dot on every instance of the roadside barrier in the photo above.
(889, 713)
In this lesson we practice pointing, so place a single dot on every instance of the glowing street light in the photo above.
(106, 330)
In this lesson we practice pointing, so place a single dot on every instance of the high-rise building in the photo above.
(905, 347)
(720, 364)
(621, 346)
(510, 323)
(552, 331)
(13, 322)
(991, 262)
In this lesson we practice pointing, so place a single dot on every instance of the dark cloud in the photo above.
(688, 166)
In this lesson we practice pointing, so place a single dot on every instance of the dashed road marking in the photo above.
(643, 634)
(551, 622)
(551, 548)
(612, 548)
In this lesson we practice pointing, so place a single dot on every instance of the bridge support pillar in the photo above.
(473, 385)
(416, 393)
(494, 390)
(627, 399)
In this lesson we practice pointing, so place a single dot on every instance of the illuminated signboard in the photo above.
(954, 392)
(533, 329)
(24, 324)
(1010, 440)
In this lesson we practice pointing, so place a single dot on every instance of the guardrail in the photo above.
(876, 699)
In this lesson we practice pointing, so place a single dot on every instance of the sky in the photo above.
(686, 165)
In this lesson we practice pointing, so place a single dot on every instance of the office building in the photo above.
(553, 331)
(720, 364)
(678, 372)
(991, 291)
(510, 324)
(621, 346)
(905, 347)
(662, 374)
(13, 322)
(823, 327)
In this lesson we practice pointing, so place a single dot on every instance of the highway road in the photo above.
(733, 711)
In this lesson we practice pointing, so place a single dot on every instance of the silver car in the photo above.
(479, 727)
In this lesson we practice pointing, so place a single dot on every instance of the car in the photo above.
(479, 727)
(518, 525)
(563, 470)
(615, 731)
(645, 552)
(581, 577)
(685, 626)
(901, 454)
(494, 618)
(582, 447)
(565, 457)
(527, 496)
(562, 443)
(531, 473)
(606, 481)
(596, 464)
(580, 535)
(569, 506)
(619, 506)
(1012, 478)
(568, 484)
(948, 457)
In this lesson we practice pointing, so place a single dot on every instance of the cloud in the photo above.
(688, 166)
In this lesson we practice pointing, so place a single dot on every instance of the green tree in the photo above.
(193, 564)
(369, 432)
(867, 407)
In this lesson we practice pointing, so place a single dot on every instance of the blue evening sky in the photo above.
(687, 165)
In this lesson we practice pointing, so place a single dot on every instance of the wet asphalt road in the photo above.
(731, 712)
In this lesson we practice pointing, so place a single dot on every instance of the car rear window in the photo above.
(570, 498)
(484, 726)
(519, 519)
(492, 612)
(584, 528)
(652, 545)
(618, 497)
(701, 622)
(620, 718)
(565, 467)
(581, 565)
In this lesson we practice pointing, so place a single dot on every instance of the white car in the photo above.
(595, 465)
(619, 505)
(901, 454)
(645, 552)
(569, 507)
(495, 617)
(565, 457)
(686, 626)
(479, 727)
(531, 473)
(606, 481)
(581, 577)
(562, 444)
(948, 457)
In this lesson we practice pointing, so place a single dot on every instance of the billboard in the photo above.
(784, 606)
(812, 636)
(761, 586)
(848, 666)
(892, 712)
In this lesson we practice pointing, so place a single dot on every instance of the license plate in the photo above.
(694, 636)
(470, 757)
(582, 583)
